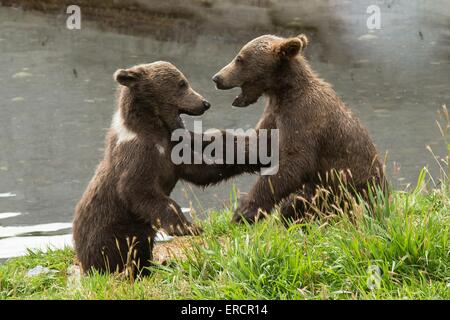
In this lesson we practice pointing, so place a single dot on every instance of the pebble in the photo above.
(22, 74)
(367, 37)
(38, 270)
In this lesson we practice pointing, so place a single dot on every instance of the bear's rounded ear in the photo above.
(304, 40)
(291, 47)
(126, 77)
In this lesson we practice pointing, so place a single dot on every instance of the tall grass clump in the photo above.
(402, 253)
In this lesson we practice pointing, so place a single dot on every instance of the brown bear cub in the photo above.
(318, 135)
(128, 198)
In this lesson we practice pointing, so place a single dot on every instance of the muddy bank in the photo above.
(184, 20)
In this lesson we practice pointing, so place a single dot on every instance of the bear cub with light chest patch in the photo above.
(128, 198)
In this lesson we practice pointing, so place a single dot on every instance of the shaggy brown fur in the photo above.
(128, 198)
(318, 133)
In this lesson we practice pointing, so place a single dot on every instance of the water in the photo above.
(57, 99)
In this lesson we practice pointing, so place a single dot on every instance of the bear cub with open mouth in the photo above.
(323, 146)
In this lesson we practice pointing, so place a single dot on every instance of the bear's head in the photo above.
(255, 67)
(157, 90)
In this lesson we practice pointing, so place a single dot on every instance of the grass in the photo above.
(403, 253)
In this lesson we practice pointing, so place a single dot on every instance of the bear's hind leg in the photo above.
(297, 206)
(118, 253)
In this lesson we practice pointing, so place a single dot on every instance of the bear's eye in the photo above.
(239, 59)
(182, 84)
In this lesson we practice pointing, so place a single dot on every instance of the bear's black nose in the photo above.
(216, 79)
(219, 82)
(206, 104)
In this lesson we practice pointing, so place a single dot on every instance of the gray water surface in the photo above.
(57, 96)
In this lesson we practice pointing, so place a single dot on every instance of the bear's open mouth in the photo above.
(242, 100)
(188, 112)
(239, 101)
(221, 86)
(192, 112)
(249, 95)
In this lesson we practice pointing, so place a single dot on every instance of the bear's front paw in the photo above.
(245, 214)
